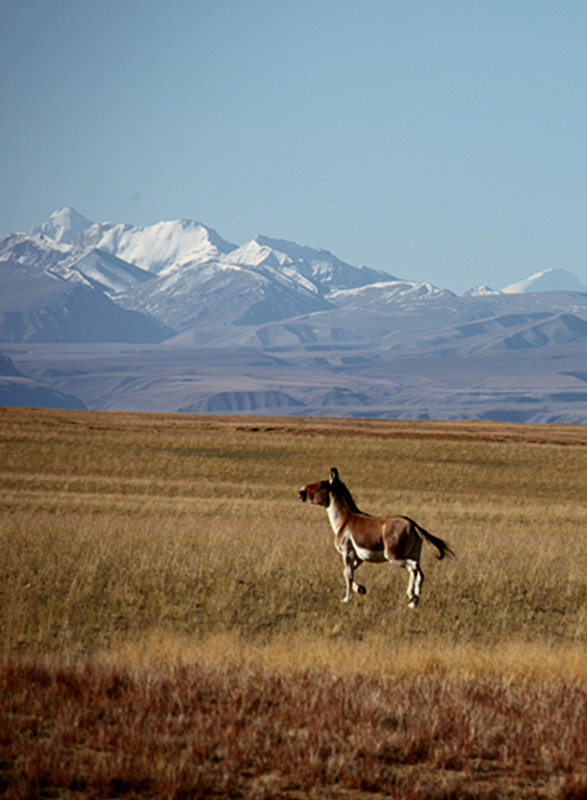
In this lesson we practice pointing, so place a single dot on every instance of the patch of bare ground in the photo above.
(88, 730)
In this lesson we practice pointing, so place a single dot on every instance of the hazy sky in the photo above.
(440, 140)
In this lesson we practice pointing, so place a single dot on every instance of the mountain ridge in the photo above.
(182, 275)
(276, 327)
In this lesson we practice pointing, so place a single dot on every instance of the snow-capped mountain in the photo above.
(64, 225)
(380, 296)
(271, 326)
(183, 276)
(550, 280)
(324, 271)
(166, 247)
(161, 248)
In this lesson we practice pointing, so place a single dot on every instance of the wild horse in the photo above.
(360, 537)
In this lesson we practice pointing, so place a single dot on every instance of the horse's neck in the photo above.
(338, 512)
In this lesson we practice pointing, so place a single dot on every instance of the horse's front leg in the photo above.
(358, 587)
(351, 563)
(348, 576)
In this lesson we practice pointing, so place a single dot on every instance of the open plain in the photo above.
(171, 624)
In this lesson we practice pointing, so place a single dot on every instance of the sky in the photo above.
(440, 140)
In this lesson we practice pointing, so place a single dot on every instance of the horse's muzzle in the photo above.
(302, 495)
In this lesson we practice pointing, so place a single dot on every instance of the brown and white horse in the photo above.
(359, 537)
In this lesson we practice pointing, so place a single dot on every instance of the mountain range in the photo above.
(173, 317)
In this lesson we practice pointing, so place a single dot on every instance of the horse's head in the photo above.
(319, 493)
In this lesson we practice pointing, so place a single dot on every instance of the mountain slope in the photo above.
(219, 294)
(31, 394)
(521, 331)
(46, 297)
(17, 390)
(550, 280)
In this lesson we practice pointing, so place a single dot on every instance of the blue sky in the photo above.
(440, 140)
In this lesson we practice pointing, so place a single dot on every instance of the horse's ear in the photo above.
(333, 475)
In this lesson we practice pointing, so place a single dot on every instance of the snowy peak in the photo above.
(551, 280)
(323, 269)
(158, 248)
(481, 291)
(256, 253)
(64, 225)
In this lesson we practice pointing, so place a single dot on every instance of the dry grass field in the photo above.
(171, 624)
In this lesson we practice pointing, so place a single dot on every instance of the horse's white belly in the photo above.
(368, 555)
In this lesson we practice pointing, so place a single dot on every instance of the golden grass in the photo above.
(517, 661)
(169, 538)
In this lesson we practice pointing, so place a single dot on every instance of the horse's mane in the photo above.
(343, 493)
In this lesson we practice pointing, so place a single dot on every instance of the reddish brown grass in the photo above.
(90, 730)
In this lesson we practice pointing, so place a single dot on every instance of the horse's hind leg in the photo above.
(415, 582)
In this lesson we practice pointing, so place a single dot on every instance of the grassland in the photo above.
(171, 624)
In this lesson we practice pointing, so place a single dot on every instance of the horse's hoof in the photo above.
(361, 590)
(413, 604)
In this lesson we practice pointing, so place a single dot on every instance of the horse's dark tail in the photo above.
(440, 544)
